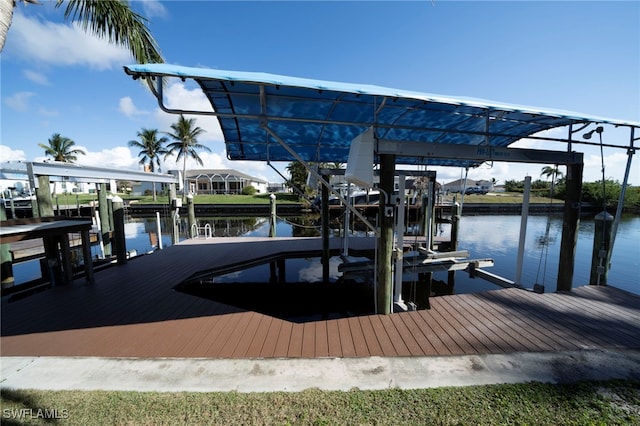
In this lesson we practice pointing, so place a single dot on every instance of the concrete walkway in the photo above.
(292, 375)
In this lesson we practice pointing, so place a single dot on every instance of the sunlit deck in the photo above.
(133, 311)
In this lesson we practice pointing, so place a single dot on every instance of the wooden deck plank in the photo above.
(554, 315)
(308, 340)
(456, 338)
(271, 339)
(426, 347)
(281, 350)
(430, 334)
(322, 341)
(247, 337)
(333, 339)
(346, 341)
(370, 337)
(383, 338)
(529, 330)
(534, 323)
(406, 336)
(359, 341)
(475, 319)
(254, 350)
(295, 341)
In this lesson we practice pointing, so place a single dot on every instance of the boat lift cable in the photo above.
(544, 249)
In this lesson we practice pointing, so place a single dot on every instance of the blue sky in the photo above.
(576, 56)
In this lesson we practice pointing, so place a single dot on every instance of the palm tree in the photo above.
(185, 135)
(554, 173)
(113, 20)
(61, 149)
(151, 148)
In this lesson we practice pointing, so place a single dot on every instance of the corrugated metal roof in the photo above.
(319, 119)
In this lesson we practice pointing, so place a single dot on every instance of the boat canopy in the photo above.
(264, 117)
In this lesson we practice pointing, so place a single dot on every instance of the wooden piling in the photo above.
(325, 229)
(191, 216)
(601, 253)
(43, 197)
(570, 223)
(272, 216)
(118, 230)
(103, 210)
(384, 287)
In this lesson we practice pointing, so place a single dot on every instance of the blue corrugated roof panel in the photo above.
(319, 119)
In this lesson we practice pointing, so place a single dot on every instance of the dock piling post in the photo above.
(103, 210)
(159, 231)
(325, 227)
(191, 215)
(385, 242)
(118, 230)
(523, 229)
(571, 220)
(272, 217)
(453, 244)
(43, 197)
(601, 255)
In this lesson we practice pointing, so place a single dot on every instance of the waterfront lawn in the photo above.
(586, 403)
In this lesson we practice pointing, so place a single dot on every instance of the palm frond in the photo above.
(115, 20)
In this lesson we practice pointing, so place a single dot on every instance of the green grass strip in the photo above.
(586, 403)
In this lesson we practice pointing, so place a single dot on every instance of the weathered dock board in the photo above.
(133, 311)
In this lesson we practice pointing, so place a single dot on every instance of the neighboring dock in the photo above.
(132, 310)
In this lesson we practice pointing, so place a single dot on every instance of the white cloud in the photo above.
(36, 77)
(178, 96)
(48, 112)
(153, 9)
(10, 154)
(127, 108)
(19, 101)
(119, 157)
(65, 45)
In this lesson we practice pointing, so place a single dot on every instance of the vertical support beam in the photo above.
(118, 230)
(86, 256)
(400, 230)
(428, 226)
(158, 230)
(523, 229)
(453, 243)
(325, 229)
(347, 222)
(570, 224)
(103, 209)
(191, 216)
(385, 242)
(601, 254)
(272, 216)
(43, 197)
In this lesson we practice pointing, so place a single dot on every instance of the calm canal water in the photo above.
(492, 236)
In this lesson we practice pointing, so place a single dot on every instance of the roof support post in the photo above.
(570, 227)
(385, 242)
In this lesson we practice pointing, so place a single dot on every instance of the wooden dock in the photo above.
(133, 311)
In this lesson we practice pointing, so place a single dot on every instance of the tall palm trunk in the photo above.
(184, 179)
(6, 16)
